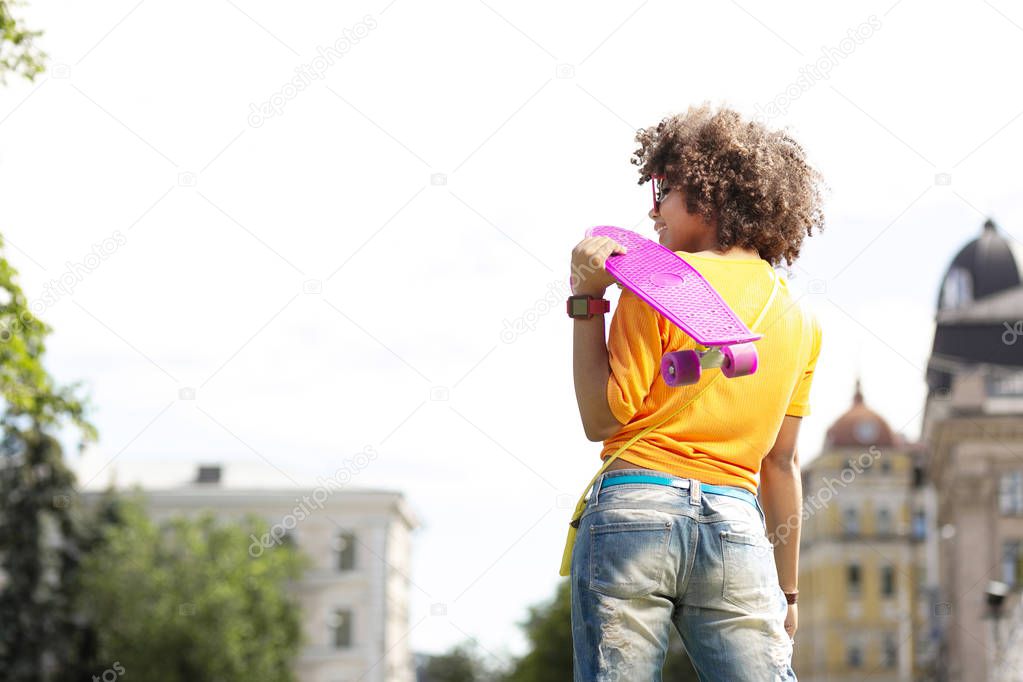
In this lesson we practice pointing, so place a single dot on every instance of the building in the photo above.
(911, 554)
(863, 594)
(355, 596)
(973, 427)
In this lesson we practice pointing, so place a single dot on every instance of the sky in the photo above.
(275, 278)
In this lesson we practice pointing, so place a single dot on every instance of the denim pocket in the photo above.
(750, 578)
(627, 558)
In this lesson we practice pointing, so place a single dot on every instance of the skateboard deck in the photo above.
(675, 289)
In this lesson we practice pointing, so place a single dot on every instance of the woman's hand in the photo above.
(588, 258)
(792, 621)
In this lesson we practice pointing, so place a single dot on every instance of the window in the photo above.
(919, 474)
(1008, 384)
(957, 289)
(340, 623)
(866, 431)
(891, 650)
(884, 522)
(1012, 556)
(344, 547)
(853, 579)
(888, 581)
(919, 524)
(851, 522)
(854, 656)
(1010, 493)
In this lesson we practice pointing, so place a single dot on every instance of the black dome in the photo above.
(988, 265)
(980, 291)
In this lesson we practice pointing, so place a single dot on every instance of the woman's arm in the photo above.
(590, 364)
(782, 498)
(592, 371)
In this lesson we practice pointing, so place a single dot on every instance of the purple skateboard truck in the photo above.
(677, 291)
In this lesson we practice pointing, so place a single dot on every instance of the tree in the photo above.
(185, 600)
(548, 628)
(18, 53)
(462, 664)
(549, 631)
(42, 538)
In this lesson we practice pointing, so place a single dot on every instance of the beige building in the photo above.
(973, 427)
(911, 562)
(355, 596)
(863, 592)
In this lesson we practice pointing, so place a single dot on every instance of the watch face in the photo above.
(580, 306)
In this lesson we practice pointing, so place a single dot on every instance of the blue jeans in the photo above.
(647, 556)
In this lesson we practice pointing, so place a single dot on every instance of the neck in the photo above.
(734, 252)
(707, 243)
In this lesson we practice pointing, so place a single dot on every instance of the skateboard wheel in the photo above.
(680, 368)
(739, 360)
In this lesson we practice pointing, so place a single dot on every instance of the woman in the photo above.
(673, 532)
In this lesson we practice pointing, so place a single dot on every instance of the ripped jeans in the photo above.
(647, 556)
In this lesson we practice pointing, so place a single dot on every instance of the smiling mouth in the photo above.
(660, 229)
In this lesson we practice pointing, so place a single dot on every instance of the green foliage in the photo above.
(42, 635)
(81, 594)
(82, 598)
(18, 54)
(41, 540)
(462, 664)
(41, 535)
(31, 400)
(548, 628)
(186, 601)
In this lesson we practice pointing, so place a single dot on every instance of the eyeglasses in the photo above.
(660, 188)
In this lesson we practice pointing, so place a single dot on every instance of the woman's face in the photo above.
(679, 230)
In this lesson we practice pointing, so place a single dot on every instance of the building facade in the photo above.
(355, 594)
(973, 427)
(862, 581)
(911, 561)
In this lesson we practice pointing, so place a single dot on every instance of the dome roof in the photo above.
(980, 294)
(860, 426)
(987, 265)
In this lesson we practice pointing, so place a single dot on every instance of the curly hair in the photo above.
(753, 184)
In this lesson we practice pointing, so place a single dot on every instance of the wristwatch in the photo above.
(790, 597)
(585, 306)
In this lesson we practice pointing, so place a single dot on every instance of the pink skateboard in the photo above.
(676, 290)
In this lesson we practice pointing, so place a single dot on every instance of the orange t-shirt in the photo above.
(723, 437)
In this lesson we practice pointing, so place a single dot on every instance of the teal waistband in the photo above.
(730, 491)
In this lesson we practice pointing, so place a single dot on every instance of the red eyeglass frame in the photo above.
(655, 180)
